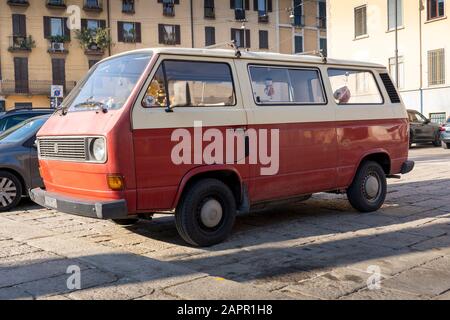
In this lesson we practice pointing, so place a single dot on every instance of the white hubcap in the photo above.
(372, 187)
(8, 192)
(211, 213)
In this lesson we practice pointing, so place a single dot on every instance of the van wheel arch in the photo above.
(228, 177)
(382, 158)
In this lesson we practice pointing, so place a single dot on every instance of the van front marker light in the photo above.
(115, 182)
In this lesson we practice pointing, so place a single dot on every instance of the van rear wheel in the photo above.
(368, 190)
(206, 213)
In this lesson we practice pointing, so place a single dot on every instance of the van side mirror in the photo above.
(427, 121)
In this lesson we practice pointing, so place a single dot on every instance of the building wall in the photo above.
(379, 45)
(149, 13)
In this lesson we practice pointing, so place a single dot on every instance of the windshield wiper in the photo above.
(91, 104)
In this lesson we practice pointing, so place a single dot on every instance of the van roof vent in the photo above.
(390, 88)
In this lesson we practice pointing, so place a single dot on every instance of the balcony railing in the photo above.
(21, 43)
(321, 22)
(56, 4)
(263, 17)
(169, 10)
(22, 3)
(210, 13)
(93, 5)
(32, 87)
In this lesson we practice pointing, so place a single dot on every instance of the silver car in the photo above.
(445, 135)
(19, 167)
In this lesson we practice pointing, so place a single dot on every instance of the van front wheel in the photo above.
(368, 190)
(206, 213)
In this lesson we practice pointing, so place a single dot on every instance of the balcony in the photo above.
(21, 43)
(18, 3)
(128, 7)
(239, 14)
(263, 17)
(321, 22)
(210, 13)
(169, 10)
(57, 47)
(31, 87)
(93, 5)
(56, 4)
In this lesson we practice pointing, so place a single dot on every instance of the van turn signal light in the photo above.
(115, 182)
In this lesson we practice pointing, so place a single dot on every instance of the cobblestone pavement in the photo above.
(319, 249)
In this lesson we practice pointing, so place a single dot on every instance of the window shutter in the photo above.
(263, 39)
(232, 4)
(247, 38)
(137, 26)
(47, 32)
(66, 29)
(161, 33)
(176, 2)
(120, 37)
(269, 5)
(247, 4)
(233, 35)
(19, 25)
(83, 24)
(58, 72)
(255, 5)
(177, 34)
(102, 24)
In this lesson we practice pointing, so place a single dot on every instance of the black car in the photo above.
(422, 130)
(11, 118)
(19, 168)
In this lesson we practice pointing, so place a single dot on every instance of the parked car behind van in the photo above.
(422, 130)
(10, 118)
(445, 135)
(19, 169)
(147, 131)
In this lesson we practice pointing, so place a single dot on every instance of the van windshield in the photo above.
(110, 83)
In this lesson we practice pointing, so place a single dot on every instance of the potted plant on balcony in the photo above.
(94, 41)
(22, 43)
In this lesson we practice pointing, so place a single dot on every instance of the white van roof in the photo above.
(229, 53)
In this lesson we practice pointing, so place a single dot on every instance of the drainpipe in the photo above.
(108, 18)
(277, 26)
(192, 24)
(396, 45)
(421, 8)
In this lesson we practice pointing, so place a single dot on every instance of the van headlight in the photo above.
(97, 149)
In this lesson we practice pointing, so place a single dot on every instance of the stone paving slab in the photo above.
(319, 249)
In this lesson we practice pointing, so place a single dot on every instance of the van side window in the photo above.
(275, 85)
(354, 87)
(192, 84)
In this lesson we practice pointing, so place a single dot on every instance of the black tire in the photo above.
(10, 191)
(364, 197)
(445, 145)
(125, 222)
(437, 140)
(190, 215)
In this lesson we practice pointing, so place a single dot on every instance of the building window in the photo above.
(436, 67)
(322, 18)
(239, 7)
(263, 7)
(354, 87)
(59, 72)
(129, 31)
(436, 9)
(360, 21)
(209, 9)
(391, 14)
(323, 46)
(169, 34)
(92, 63)
(241, 37)
(192, 84)
(401, 71)
(273, 84)
(56, 28)
(210, 36)
(128, 6)
(168, 7)
(299, 20)
(438, 117)
(263, 39)
(298, 44)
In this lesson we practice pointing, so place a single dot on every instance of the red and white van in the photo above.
(208, 133)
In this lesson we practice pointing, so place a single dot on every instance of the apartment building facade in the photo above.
(55, 42)
(365, 30)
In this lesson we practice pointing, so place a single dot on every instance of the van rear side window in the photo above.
(354, 87)
(280, 85)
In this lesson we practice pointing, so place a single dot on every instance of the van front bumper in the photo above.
(116, 209)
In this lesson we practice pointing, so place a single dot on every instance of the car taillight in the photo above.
(441, 129)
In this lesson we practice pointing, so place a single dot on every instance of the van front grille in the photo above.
(73, 149)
